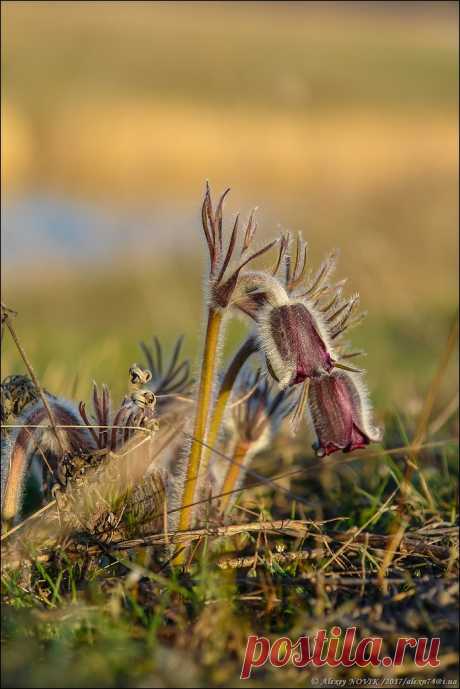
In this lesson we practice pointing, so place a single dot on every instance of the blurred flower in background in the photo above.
(336, 118)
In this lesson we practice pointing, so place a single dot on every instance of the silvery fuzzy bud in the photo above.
(341, 413)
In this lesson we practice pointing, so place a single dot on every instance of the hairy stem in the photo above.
(248, 347)
(204, 401)
(233, 473)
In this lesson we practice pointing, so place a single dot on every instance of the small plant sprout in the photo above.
(111, 429)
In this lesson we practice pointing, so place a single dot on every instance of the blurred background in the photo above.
(339, 119)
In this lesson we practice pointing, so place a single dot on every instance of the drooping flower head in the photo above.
(293, 346)
(299, 317)
(340, 413)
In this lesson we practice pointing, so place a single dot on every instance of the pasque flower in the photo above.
(298, 319)
(293, 345)
(223, 288)
(298, 316)
(340, 413)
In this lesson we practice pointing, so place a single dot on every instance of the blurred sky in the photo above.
(338, 119)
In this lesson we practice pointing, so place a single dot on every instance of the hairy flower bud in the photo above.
(341, 413)
(256, 291)
(294, 346)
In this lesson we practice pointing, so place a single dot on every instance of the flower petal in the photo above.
(298, 344)
(340, 414)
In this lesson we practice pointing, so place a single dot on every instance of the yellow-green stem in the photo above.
(233, 473)
(247, 348)
(204, 401)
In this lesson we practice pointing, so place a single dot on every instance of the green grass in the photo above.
(118, 624)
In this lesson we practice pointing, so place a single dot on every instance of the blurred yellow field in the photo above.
(144, 150)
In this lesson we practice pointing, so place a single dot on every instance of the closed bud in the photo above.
(293, 344)
(341, 414)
